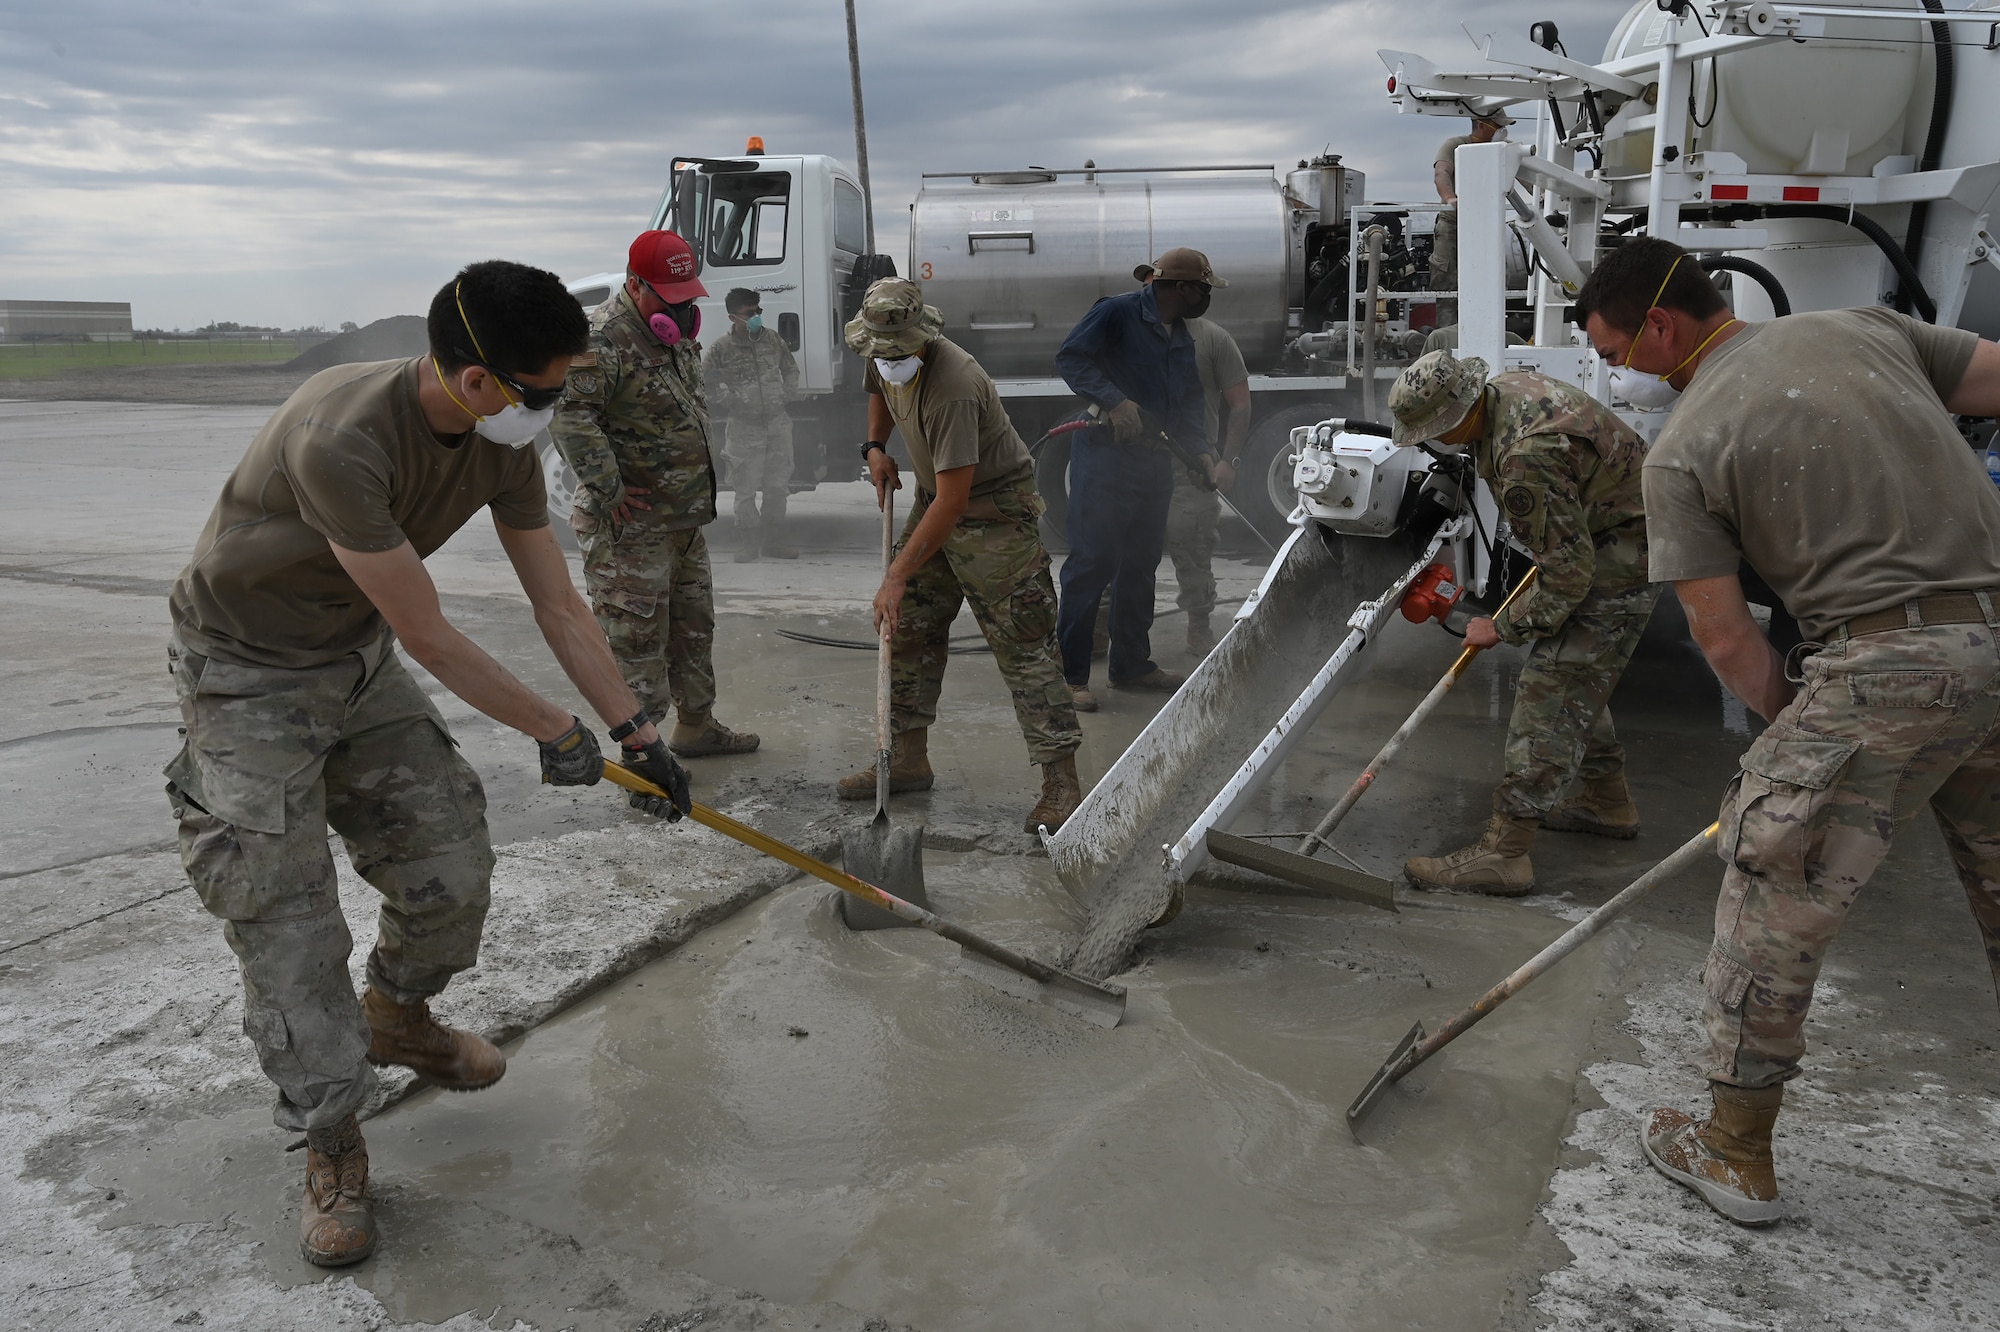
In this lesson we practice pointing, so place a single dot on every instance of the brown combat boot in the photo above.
(1062, 792)
(1602, 807)
(1082, 699)
(337, 1218)
(1200, 637)
(1725, 1158)
(909, 769)
(408, 1035)
(699, 739)
(1497, 864)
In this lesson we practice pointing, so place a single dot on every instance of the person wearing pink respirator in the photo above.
(634, 428)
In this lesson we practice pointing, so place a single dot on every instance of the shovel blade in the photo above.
(1385, 1078)
(890, 856)
(1305, 871)
(1099, 1005)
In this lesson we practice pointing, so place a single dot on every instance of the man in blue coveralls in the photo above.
(1133, 357)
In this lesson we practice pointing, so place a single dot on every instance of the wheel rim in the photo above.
(1278, 481)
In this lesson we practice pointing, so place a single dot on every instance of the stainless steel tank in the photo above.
(1015, 258)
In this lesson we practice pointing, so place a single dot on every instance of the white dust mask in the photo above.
(1641, 389)
(900, 372)
(514, 425)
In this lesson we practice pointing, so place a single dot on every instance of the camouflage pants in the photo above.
(760, 462)
(1883, 725)
(655, 599)
(272, 758)
(1444, 263)
(994, 559)
(1561, 727)
(1191, 524)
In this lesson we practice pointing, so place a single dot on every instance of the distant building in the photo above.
(65, 321)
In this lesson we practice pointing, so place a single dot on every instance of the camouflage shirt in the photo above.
(634, 416)
(1566, 474)
(752, 376)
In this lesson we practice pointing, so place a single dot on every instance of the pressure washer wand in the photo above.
(1190, 462)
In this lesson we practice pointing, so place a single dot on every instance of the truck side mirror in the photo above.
(788, 329)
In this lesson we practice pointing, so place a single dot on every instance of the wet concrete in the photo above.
(820, 1115)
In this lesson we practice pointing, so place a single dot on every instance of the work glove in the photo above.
(1126, 423)
(572, 758)
(657, 766)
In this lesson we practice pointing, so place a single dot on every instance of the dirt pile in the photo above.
(383, 340)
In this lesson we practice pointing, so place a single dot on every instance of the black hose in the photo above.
(1945, 78)
(1874, 231)
(1781, 304)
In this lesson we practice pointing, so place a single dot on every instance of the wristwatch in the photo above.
(872, 444)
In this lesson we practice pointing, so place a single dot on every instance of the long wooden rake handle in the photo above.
(1317, 837)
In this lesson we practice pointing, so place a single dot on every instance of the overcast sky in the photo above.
(311, 161)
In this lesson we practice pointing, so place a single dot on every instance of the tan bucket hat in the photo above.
(894, 321)
(1433, 396)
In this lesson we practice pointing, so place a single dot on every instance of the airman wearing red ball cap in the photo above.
(634, 428)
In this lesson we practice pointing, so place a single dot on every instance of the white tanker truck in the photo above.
(1014, 258)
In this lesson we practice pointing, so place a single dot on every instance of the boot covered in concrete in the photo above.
(1200, 637)
(1602, 808)
(909, 769)
(1062, 792)
(407, 1034)
(1497, 864)
(337, 1215)
(1725, 1158)
(700, 739)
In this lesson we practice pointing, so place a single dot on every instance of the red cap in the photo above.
(666, 264)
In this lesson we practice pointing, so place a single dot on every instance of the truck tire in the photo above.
(1264, 482)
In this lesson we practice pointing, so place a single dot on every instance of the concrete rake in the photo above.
(1001, 967)
(1417, 1046)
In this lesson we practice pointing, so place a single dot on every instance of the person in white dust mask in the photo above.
(973, 535)
(299, 714)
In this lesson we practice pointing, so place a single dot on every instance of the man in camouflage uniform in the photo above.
(1565, 472)
(1821, 449)
(973, 535)
(634, 424)
(751, 376)
(298, 713)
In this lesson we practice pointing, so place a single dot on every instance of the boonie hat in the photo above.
(1494, 117)
(1433, 396)
(894, 321)
(664, 262)
(1179, 265)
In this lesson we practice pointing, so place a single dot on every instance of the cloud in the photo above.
(296, 161)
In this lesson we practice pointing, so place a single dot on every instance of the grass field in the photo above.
(39, 360)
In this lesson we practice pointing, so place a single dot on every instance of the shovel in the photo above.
(876, 851)
(1001, 967)
(1299, 866)
(1416, 1046)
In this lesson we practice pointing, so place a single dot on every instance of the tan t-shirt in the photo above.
(1447, 157)
(1818, 448)
(952, 417)
(348, 459)
(1220, 362)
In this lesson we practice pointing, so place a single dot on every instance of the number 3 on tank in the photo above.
(924, 272)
